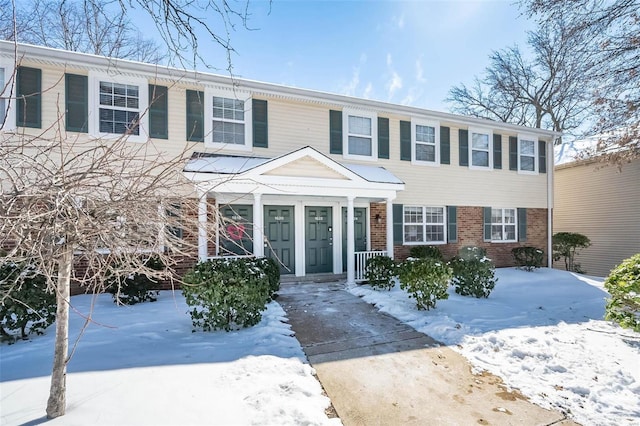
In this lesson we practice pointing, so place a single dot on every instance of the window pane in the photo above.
(435, 233)
(509, 216)
(434, 215)
(480, 158)
(480, 141)
(527, 147)
(510, 231)
(359, 146)
(226, 132)
(425, 134)
(359, 125)
(496, 232)
(413, 214)
(527, 163)
(413, 233)
(496, 215)
(425, 152)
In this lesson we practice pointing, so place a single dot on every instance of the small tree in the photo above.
(623, 284)
(566, 246)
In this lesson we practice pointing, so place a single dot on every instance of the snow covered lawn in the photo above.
(543, 333)
(142, 365)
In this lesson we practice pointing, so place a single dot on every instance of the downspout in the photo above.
(550, 171)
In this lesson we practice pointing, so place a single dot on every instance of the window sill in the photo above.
(424, 243)
(115, 136)
(359, 157)
(528, 172)
(425, 163)
(502, 241)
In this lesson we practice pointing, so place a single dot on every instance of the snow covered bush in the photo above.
(272, 270)
(27, 307)
(226, 294)
(380, 272)
(425, 251)
(528, 258)
(565, 246)
(426, 280)
(473, 272)
(623, 284)
(135, 288)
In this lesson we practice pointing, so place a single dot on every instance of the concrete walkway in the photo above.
(379, 371)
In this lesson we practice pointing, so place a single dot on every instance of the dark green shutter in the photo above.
(542, 156)
(452, 224)
(195, 116)
(497, 151)
(398, 213)
(486, 213)
(405, 140)
(260, 123)
(29, 97)
(76, 102)
(463, 143)
(445, 145)
(383, 137)
(158, 112)
(335, 132)
(522, 224)
(513, 153)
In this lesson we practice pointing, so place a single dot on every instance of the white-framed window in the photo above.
(503, 225)
(425, 142)
(360, 135)
(527, 154)
(228, 120)
(424, 225)
(7, 101)
(480, 148)
(118, 106)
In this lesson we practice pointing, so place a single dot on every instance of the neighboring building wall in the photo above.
(602, 203)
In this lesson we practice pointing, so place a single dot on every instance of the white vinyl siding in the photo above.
(423, 225)
(503, 225)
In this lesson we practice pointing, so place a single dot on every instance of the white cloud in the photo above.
(394, 84)
(389, 60)
(398, 21)
(368, 91)
(420, 71)
(350, 88)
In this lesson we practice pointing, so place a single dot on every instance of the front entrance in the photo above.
(318, 240)
(359, 229)
(279, 232)
(236, 230)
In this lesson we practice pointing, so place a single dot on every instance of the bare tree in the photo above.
(547, 91)
(613, 42)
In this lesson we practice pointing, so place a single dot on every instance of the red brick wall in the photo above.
(470, 233)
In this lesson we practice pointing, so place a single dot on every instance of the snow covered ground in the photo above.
(142, 365)
(543, 333)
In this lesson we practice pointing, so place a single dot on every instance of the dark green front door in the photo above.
(359, 229)
(279, 231)
(236, 229)
(318, 240)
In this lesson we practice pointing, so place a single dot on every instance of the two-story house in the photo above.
(319, 180)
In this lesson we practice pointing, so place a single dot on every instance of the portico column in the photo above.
(351, 251)
(258, 226)
(390, 228)
(202, 228)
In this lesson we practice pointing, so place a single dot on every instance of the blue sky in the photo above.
(408, 52)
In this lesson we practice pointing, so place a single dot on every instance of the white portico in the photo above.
(303, 208)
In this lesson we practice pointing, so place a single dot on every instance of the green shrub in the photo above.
(226, 294)
(431, 252)
(272, 270)
(426, 280)
(27, 306)
(473, 277)
(135, 288)
(623, 284)
(565, 245)
(528, 258)
(472, 252)
(380, 272)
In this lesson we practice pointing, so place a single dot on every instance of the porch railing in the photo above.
(361, 261)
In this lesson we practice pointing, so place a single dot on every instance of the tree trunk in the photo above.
(56, 404)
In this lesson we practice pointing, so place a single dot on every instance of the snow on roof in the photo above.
(233, 164)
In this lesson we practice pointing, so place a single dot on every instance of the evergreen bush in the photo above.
(472, 252)
(272, 270)
(431, 252)
(528, 258)
(135, 288)
(473, 277)
(623, 284)
(27, 307)
(426, 280)
(565, 246)
(226, 293)
(380, 272)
